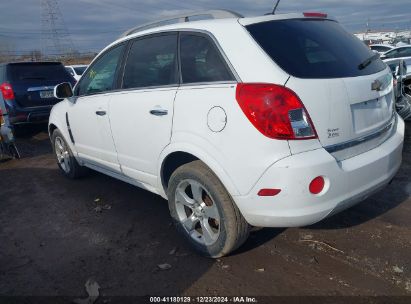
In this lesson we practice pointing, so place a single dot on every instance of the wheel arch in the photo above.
(52, 127)
(177, 155)
(58, 121)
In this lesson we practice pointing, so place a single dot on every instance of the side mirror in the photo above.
(63, 90)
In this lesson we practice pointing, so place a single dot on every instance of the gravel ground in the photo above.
(55, 234)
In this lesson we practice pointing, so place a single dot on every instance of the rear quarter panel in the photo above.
(240, 151)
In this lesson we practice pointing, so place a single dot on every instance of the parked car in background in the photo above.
(394, 63)
(7, 139)
(76, 70)
(402, 52)
(27, 89)
(295, 127)
(400, 73)
(381, 48)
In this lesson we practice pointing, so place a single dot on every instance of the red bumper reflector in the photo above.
(317, 185)
(268, 192)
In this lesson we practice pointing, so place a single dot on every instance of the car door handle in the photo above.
(101, 113)
(159, 112)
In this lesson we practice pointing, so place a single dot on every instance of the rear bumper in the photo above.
(347, 183)
(18, 115)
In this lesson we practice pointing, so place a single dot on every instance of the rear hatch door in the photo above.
(349, 116)
(349, 103)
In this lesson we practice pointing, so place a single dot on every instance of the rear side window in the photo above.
(404, 52)
(400, 52)
(201, 61)
(314, 48)
(151, 62)
(102, 74)
(39, 71)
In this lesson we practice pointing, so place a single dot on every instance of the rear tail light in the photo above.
(275, 111)
(7, 91)
(315, 15)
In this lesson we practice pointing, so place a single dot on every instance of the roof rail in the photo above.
(210, 14)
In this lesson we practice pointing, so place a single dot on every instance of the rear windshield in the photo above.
(80, 70)
(314, 48)
(380, 48)
(47, 71)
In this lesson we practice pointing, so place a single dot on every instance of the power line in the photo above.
(37, 36)
(54, 34)
(82, 31)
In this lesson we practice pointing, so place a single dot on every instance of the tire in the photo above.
(65, 158)
(204, 212)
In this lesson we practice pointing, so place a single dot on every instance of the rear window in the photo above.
(19, 72)
(80, 70)
(314, 48)
(380, 48)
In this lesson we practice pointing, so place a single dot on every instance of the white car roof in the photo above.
(381, 44)
(212, 24)
(402, 46)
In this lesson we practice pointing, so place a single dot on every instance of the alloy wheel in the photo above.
(197, 212)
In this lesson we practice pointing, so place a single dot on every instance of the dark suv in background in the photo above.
(27, 90)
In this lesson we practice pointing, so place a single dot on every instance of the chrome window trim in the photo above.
(43, 88)
(360, 140)
(149, 88)
(193, 84)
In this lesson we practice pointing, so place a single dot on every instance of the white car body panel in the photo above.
(341, 108)
(347, 183)
(387, 48)
(131, 144)
(138, 135)
(94, 142)
(190, 123)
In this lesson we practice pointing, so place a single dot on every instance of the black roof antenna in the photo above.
(275, 7)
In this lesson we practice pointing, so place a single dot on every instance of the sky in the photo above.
(92, 24)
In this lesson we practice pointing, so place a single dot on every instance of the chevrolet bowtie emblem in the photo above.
(376, 85)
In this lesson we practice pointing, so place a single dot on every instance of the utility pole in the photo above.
(55, 38)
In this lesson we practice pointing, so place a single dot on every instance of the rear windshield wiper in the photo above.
(368, 61)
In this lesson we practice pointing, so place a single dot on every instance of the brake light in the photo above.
(275, 111)
(7, 91)
(315, 15)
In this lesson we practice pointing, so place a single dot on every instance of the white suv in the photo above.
(272, 121)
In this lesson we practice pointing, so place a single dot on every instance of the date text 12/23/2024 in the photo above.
(203, 300)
